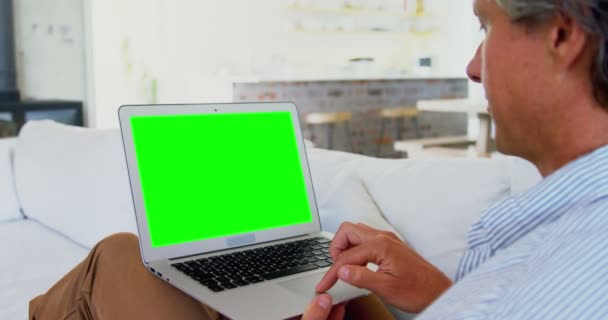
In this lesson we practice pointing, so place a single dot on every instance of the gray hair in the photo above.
(592, 15)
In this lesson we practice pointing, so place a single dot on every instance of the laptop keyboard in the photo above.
(242, 268)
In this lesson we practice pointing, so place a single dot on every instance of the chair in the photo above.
(7, 129)
(399, 115)
(482, 142)
(330, 120)
(440, 145)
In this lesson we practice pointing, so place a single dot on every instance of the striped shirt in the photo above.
(539, 255)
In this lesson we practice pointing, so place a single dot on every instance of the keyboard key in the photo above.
(204, 276)
(215, 260)
(231, 271)
(254, 279)
(302, 261)
(267, 270)
(245, 274)
(311, 259)
(322, 264)
(234, 277)
(200, 272)
(222, 279)
(241, 283)
(229, 285)
(181, 267)
(290, 271)
(216, 288)
(220, 273)
(209, 283)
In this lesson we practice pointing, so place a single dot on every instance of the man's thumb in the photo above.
(319, 309)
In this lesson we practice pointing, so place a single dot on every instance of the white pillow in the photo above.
(523, 174)
(432, 203)
(9, 205)
(341, 195)
(74, 180)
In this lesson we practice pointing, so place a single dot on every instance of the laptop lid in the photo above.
(209, 177)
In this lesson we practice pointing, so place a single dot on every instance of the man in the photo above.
(538, 255)
(541, 255)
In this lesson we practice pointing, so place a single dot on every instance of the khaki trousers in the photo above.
(112, 283)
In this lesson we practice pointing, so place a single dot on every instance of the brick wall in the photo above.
(364, 99)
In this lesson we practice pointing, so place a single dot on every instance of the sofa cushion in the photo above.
(9, 205)
(522, 173)
(432, 203)
(37, 258)
(341, 194)
(74, 180)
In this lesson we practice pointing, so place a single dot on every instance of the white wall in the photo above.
(147, 51)
(49, 43)
(171, 51)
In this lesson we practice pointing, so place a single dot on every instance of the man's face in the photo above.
(511, 63)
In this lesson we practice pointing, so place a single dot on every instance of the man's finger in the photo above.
(360, 255)
(362, 277)
(346, 237)
(319, 308)
(329, 279)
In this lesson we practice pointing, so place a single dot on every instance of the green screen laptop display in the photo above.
(217, 175)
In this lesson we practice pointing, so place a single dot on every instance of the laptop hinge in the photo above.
(241, 247)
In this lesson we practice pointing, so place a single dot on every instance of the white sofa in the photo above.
(63, 188)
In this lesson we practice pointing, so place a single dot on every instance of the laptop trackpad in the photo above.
(305, 287)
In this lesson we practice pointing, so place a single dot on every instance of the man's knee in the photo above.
(118, 245)
(118, 240)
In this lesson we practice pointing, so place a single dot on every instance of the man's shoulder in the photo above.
(587, 218)
(566, 263)
(575, 236)
(554, 266)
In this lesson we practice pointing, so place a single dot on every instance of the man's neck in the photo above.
(549, 166)
(580, 135)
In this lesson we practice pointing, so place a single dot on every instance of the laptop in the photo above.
(225, 206)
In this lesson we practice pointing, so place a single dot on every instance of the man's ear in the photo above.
(567, 42)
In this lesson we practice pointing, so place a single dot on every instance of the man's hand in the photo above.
(403, 279)
(321, 308)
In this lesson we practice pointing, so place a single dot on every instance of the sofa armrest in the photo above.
(74, 180)
(9, 204)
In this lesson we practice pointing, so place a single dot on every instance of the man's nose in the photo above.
(474, 67)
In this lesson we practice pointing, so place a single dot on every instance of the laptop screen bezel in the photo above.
(150, 253)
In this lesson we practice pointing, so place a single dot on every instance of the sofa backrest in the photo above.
(430, 203)
(74, 180)
(9, 204)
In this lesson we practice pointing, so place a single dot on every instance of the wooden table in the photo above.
(479, 108)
